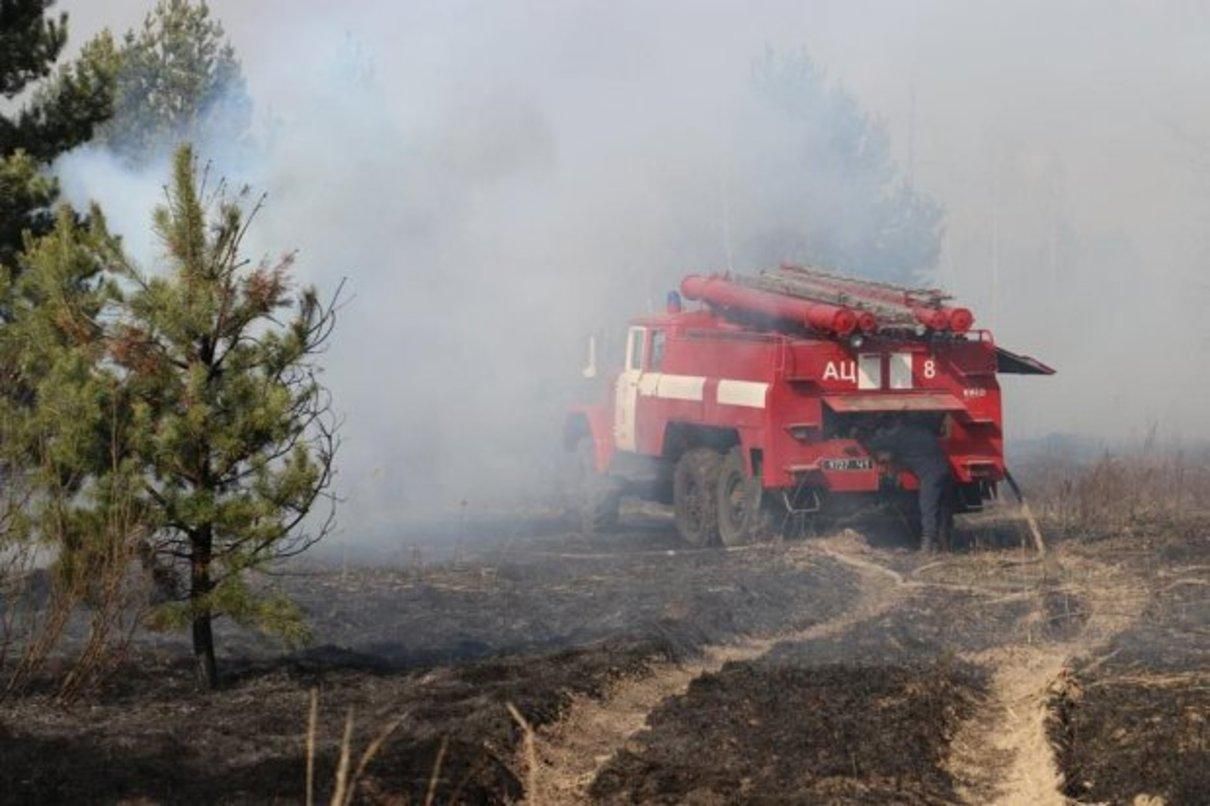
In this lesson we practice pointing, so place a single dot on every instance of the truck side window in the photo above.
(657, 350)
(634, 358)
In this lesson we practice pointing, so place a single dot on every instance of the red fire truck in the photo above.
(749, 405)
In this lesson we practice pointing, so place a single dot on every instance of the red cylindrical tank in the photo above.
(960, 319)
(724, 293)
(933, 318)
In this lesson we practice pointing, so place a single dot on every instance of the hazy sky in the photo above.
(576, 154)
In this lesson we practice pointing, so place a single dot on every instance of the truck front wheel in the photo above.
(740, 517)
(693, 496)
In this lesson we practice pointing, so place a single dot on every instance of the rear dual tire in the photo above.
(741, 514)
(715, 500)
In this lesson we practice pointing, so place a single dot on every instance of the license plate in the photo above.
(847, 464)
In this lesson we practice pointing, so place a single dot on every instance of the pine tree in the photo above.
(29, 42)
(66, 110)
(825, 189)
(63, 111)
(179, 82)
(68, 483)
(230, 419)
(26, 196)
(66, 488)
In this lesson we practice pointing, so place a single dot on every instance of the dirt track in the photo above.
(839, 669)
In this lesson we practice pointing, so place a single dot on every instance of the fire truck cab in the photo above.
(750, 407)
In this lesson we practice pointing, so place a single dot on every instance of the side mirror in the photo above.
(590, 371)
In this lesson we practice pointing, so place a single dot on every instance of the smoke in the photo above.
(496, 181)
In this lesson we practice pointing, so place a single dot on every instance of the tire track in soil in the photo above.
(569, 752)
(1003, 754)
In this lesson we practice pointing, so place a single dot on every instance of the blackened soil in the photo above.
(865, 715)
(1136, 718)
(443, 649)
(1125, 739)
(862, 715)
(154, 738)
(938, 624)
(540, 596)
(835, 733)
(927, 625)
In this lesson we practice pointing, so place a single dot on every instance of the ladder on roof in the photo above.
(895, 306)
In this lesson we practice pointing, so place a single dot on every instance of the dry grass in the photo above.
(1117, 491)
(344, 786)
(62, 550)
(531, 755)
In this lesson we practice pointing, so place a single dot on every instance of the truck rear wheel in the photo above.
(596, 496)
(740, 518)
(694, 498)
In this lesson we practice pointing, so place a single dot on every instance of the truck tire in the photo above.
(694, 497)
(596, 496)
(740, 515)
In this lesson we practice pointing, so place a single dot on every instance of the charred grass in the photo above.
(246, 743)
(863, 714)
(542, 596)
(1131, 718)
(866, 715)
(1135, 718)
(447, 649)
(830, 733)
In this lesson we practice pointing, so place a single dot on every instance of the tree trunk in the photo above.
(199, 589)
(203, 652)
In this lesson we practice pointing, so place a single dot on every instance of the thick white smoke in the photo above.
(498, 180)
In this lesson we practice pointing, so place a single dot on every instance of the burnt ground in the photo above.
(863, 715)
(833, 732)
(1133, 718)
(837, 669)
(445, 647)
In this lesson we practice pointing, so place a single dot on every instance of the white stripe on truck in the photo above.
(681, 387)
(672, 387)
(692, 387)
(742, 393)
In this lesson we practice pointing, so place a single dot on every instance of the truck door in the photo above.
(627, 393)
